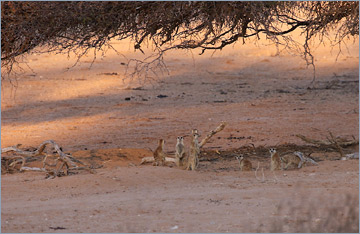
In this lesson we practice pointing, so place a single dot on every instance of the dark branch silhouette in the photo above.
(64, 27)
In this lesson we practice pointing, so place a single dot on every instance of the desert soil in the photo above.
(103, 117)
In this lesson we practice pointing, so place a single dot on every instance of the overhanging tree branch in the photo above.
(28, 27)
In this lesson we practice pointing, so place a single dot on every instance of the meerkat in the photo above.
(193, 159)
(179, 151)
(275, 163)
(159, 155)
(305, 159)
(291, 160)
(245, 164)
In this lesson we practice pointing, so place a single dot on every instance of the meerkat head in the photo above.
(272, 151)
(239, 158)
(195, 132)
(180, 140)
(161, 142)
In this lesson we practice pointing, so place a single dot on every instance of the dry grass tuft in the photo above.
(320, 216)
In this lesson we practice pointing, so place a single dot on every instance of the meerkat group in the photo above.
(277, 162)
(190, 160)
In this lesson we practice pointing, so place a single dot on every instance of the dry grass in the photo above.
(318, 216)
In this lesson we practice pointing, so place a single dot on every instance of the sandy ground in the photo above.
(160, 199)
(263, 98)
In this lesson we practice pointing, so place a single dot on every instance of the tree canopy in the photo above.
(81, 26)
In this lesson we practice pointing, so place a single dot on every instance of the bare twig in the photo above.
(276, 179)
(304, 159)
(343, 143)
(332, 143)
(312, 141)
(33, 169)
(336, 144)
(263, 180)
(212, 133)
(262, 171)
(64, 160)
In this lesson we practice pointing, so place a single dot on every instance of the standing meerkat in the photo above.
(275, 163)
(179, 151)
(159, 155)
(193, 159)
(245, 164)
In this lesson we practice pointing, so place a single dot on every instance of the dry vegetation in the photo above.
(322, 216)
(80, 27)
